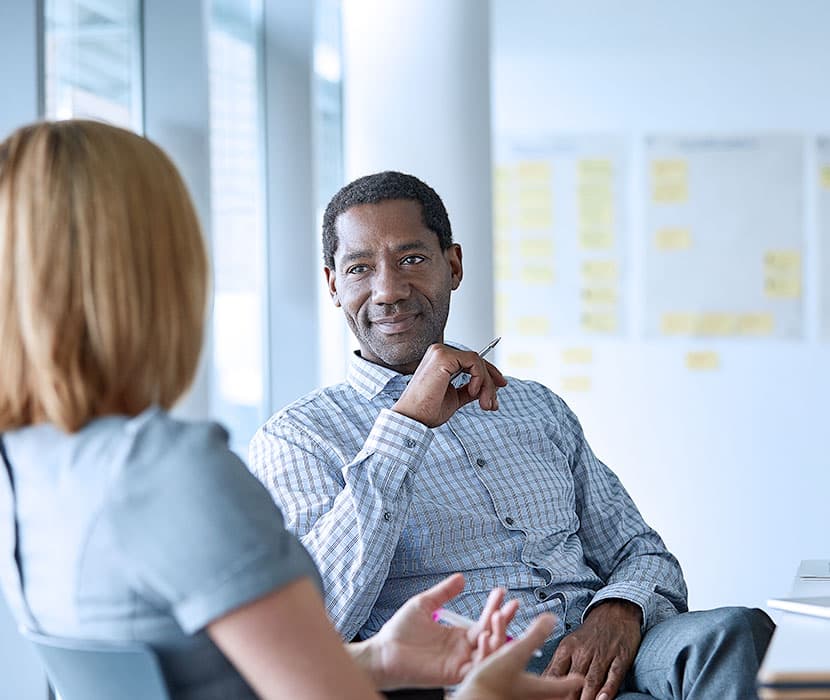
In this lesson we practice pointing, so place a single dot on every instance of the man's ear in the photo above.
(453, 256)
(331, 281)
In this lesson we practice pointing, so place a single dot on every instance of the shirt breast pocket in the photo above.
(536, 476)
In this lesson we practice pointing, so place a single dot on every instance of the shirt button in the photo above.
(568, 625)
(509, 521)
(541, 595)
(410, 442)
(387, 516)
(481, 462)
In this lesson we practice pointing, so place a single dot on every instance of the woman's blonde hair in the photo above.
(103, 276)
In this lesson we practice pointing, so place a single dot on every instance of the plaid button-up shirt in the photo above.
(516, 498)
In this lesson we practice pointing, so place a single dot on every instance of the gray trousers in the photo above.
(706, 655)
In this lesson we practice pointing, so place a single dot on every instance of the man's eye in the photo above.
(412, 259)
(357, 269)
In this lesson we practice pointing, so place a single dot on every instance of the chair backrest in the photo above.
(88, 670)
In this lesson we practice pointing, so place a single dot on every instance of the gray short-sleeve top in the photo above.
(144, 528)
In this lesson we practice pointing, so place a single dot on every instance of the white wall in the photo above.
(729, 466)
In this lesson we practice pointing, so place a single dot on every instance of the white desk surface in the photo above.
(800, 646)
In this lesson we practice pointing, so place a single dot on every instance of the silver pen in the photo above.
(481, 353)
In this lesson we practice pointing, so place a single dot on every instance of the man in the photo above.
(403, 474)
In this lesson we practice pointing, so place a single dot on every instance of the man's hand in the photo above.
(412, 650)
(602, 649)
(431, 399)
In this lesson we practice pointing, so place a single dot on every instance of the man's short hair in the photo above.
(379, 187)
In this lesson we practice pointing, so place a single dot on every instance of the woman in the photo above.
(124, 523)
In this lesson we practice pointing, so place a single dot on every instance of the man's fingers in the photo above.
(531, 687)
(560, 664)
(616, 674)
(595, 677)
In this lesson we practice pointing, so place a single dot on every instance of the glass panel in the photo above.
(92, 60)
(328, 157)
(238, 379)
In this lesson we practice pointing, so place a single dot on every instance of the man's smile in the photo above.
(399, 323)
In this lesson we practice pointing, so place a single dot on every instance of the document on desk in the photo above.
(815, 569)
(818, 606)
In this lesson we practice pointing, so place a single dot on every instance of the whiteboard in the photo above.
(718, 438)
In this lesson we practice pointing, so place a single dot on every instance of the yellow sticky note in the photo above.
(534, 170)
(535, 198)
(533, 325)
(537, 274)
(782, 287)
(783, 261)
(535, 219)
(677, 323)
(596, 193)
(825, 177)
(596, 217)
(673, 239)
(716, 323)
(599, 295)
(756, 324)
(595, 169)
(596, 238)
(502, 269)
(577, 356)
(671, 192)
(669, 169)
(702, 360)
(599, 269)
(521, 360)
(599, 321)
(579, 383)
(670, 181)
(536, 247)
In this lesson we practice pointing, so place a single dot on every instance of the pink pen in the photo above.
(456, 620)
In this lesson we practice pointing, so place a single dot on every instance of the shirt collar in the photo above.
(370, 380)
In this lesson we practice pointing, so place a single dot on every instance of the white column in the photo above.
(417, 99)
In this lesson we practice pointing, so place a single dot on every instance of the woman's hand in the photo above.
(412, 650)
(502, 675)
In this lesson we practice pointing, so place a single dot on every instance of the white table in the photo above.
(797, 663)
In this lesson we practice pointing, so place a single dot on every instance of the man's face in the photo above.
(392, 281)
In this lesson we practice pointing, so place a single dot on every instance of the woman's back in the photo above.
(142, 528)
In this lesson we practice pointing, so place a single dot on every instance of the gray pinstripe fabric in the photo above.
(388, 507)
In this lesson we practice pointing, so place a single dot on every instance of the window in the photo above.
(92, 61)
(328, 156)
(238, 374)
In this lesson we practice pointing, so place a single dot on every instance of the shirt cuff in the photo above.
(641, 596)
(398, 437)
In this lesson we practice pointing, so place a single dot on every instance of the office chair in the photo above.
(89, 670)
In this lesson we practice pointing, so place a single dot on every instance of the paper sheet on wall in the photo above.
(823, 162)
(559, 237)
(725, 235)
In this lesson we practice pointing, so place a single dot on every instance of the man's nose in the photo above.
(389, 285)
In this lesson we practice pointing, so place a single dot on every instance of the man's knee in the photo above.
(740, 624)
